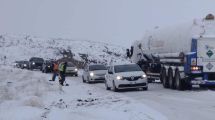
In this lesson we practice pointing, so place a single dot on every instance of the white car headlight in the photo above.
(144, 76)
(25, 65)
(119, 77)
(91, 74)
(76, 69)
(33, 63)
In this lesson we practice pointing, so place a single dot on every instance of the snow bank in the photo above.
(30, 96)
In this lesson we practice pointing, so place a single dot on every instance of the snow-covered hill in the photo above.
(23, 47)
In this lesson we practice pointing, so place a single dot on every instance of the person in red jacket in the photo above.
(55, 71)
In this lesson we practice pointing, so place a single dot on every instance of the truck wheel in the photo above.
(170, 79)
(178, 81)
(161, 79)
(164, 78)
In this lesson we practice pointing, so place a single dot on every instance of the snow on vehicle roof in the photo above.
(94, 64)
(123, 64)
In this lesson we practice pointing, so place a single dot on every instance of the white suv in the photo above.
(125, 76)
(94, 73)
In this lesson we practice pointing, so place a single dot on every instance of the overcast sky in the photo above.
(119, 21)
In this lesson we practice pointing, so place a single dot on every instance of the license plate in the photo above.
(132, 82)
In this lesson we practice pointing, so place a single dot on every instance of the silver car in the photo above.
(94, 73)
(71, 69)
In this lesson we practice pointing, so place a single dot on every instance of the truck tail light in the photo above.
(195, 68)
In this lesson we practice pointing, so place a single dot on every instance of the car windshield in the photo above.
(69, 64)
(37, 59)
(97, 67)
(25, 62)
(48, 62)
(126, 68)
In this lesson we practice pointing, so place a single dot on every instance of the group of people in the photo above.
(59, 69)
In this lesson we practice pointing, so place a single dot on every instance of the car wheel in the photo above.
(106, 85)
(114, 87)
(145, 88)
(84, 81)
(88, 80)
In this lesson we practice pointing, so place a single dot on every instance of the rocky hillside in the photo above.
(23, 47)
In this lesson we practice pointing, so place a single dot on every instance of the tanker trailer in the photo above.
(181, 56)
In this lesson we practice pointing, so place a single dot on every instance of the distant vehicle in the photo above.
(24, 64)
(35, 63)
(17, 64)
(94, 73)
(125, 76)
(47, 66)
(71, 69)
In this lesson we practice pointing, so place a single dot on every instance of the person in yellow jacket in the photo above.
(62, 70)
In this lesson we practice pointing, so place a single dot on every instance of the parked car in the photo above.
(35, 63)
(125, 76)
(94, 73)
(17, 64)
(24, 64)
(71, 69)
(47, 66)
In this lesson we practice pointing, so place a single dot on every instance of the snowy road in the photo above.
(176, 105)
(32, 92)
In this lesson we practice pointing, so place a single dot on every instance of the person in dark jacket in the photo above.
(62, 71)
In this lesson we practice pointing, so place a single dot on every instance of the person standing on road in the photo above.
(62, 70)
(55, 71)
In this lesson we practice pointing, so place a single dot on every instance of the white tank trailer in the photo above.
(180, 56)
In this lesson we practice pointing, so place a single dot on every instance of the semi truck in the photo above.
(179, 56)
